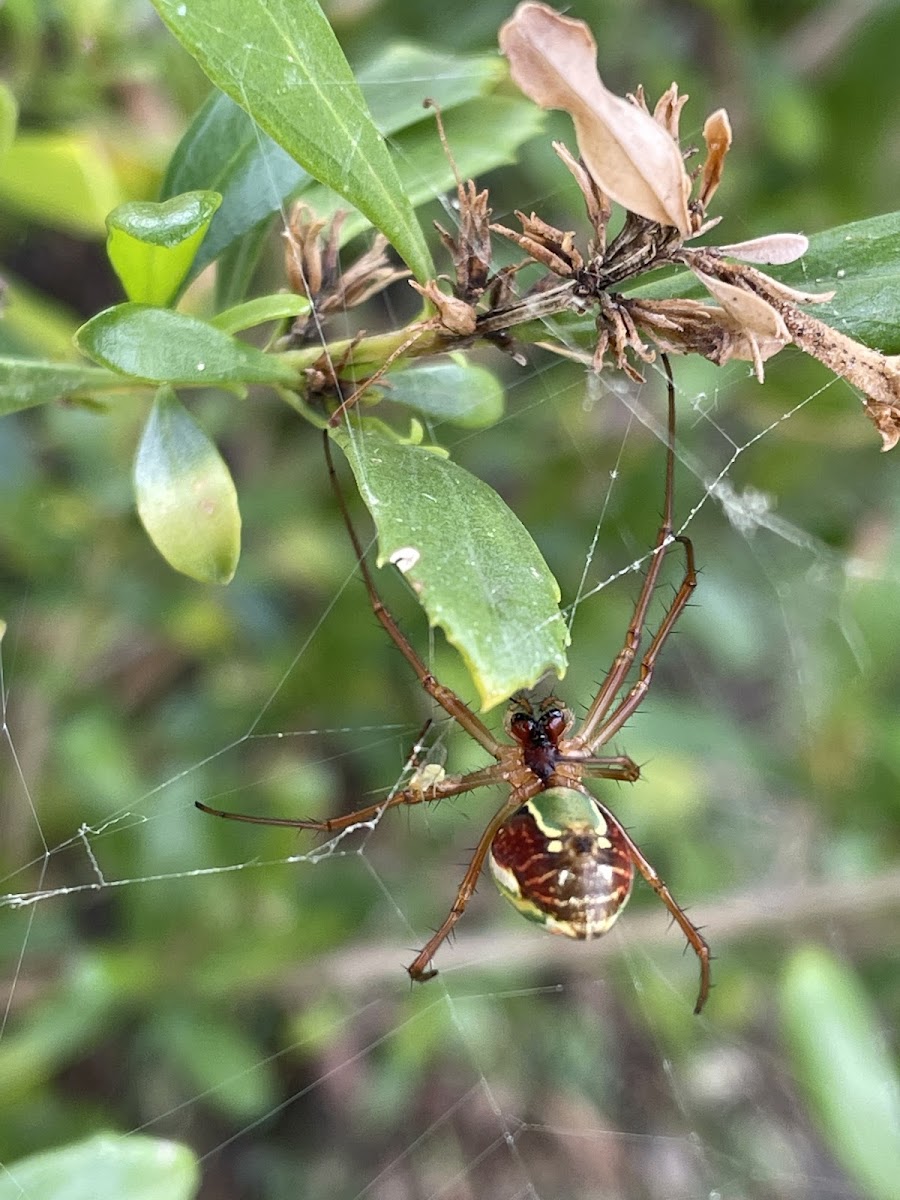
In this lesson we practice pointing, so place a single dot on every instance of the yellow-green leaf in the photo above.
(64, 180)
(186, 497)
(151, 246)
(9, 115)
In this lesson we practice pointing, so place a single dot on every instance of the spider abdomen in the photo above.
(562, 861)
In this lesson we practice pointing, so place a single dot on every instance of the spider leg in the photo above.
(453, 786)
(418, 969)
(635, 696)
(588, 735)
(335, 419)
(447, 699)
(691, 932)
(619, 766)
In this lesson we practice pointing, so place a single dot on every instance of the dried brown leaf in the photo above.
(717, 135)
(886, 420)
(775, 249)
(553, 59)
(750, 311)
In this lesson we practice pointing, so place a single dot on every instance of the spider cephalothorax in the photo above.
(538, 727)
(556, 852)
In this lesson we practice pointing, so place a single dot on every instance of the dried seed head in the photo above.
(596, 202)
(668, 110)
(633, 157)
(553, 248)
(690, 327)
(876, 375)
(303, 253)
(746, 308)
(471, 248)
(370, 274)
(312, 265)
(758, 324)
(454, 315)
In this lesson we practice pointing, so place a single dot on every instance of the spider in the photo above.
(556, 852)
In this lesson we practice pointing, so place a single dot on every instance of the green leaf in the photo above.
(34, 325)
(161, 346)
(9, 115)
(468, 558)
(282, 63)
(57, 1030)
(26, 382)
(224, 149)
(64, 180)
(151, 246)
(397, 81)
(186, 497)
(237, 264)
(277, 307)
(860, 262)
(450, 389)
(218, 1060)
(842, 1060)
(105, 1167)
(482, 137)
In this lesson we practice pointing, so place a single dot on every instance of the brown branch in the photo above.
(804, 910)
(863, 912)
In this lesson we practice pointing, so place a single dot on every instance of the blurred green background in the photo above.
(189, 980)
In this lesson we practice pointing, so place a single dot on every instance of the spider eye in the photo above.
(582, 843)
(555, 722)
(521, 726)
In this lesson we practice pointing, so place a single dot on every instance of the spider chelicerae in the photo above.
(556, 852)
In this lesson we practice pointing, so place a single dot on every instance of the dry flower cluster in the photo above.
(631, 156)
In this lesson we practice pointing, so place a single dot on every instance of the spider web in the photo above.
(530, 1067)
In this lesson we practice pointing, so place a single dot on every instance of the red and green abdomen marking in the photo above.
(562, 861)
